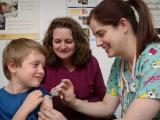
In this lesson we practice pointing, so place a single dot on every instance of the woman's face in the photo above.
(110, 38)
(63, 43)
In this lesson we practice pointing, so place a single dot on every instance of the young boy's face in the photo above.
(31, 72)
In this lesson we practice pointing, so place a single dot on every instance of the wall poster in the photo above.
(79, 10)
(154, 6)
(19, 19)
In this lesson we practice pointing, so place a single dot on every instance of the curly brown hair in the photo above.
(82, 53)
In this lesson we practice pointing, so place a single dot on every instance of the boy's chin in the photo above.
(36, 85)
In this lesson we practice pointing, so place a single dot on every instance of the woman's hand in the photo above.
(55, 91)
(50, 114)
(67, 92)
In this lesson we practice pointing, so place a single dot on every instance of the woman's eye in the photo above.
(101, 34)
(69, 42)
(56, 41)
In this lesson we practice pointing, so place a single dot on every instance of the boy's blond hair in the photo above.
(17, 50)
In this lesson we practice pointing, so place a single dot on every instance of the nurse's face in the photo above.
(110, 38)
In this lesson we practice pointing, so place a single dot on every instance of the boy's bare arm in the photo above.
(47, 102)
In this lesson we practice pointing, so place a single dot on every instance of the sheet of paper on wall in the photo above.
(154, 6)
(79, 10)
(22, 20)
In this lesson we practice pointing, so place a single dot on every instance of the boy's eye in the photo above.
(35, 64)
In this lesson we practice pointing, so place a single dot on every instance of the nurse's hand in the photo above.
(67, 92)
(50, 114)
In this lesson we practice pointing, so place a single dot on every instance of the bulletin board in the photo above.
(79, 10)
(21, 21)
(154, 6)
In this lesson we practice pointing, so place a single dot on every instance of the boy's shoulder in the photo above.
(42, 89)
(2, 90)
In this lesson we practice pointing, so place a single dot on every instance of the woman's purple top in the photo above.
(88, 85)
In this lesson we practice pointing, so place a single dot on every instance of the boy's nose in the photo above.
(41, 70)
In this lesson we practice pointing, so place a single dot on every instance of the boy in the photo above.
(23, 63)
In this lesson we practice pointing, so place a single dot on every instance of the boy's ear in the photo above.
(12, 67)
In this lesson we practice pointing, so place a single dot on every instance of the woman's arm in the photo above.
(105, 108)
(98, 109)
(142, 109)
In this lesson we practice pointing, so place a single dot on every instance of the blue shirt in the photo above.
(10, 103)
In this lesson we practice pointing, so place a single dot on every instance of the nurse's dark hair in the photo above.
(109, 12)
(82, 52)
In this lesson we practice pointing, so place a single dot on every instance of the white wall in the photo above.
(50, 9)
(3, 80)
